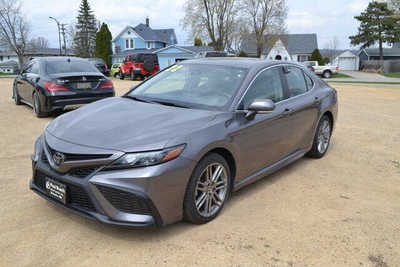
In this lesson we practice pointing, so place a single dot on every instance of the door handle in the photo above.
(317, 100)
(288, 112)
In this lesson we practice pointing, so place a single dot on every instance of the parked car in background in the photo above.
(139, 66)
(325, 71)
(178, 144)
(115, 71)
(101, 65)
(53, 83)
(213, 54)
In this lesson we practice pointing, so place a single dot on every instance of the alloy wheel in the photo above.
(211, 190)
(324, 136)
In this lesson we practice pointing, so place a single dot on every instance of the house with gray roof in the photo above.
(144, 39)
(293, 47)
(373, 53)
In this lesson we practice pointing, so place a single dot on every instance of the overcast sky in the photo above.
(326, 18)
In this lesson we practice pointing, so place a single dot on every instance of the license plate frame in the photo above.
(83, 86)
(56, 190)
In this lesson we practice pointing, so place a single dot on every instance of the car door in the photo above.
(261, 139)
(23, 86)
(301, 108)
(32, 78)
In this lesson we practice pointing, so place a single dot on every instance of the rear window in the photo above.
(140, 58)
(216, 54)
(67, 66)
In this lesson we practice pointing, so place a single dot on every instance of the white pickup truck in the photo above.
(325, 71)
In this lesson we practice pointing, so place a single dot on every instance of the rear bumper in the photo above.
(56, 102)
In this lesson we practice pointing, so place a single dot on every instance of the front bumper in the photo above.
(136, 197)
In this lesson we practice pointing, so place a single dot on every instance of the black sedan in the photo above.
(54, 83)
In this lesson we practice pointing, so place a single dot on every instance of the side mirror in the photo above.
(260, 106)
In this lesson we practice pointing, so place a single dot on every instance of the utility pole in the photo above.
(59, 34)
(63, 34)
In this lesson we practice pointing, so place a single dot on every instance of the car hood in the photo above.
(127, 125)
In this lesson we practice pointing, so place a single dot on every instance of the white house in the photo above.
(347, 60)
(293, 47)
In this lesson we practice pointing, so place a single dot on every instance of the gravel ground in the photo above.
(342, 210)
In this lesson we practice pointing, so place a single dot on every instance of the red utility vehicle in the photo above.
(139, 66)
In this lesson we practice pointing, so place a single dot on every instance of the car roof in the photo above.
(58, 58)
(248, 63)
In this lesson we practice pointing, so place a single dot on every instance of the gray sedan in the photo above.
(175, 146)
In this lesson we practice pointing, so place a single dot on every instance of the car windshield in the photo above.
(67, 66)
(193, 85)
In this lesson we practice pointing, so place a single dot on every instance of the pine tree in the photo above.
(85, 36)
(316, 56)
(378, 24)
(103, 44)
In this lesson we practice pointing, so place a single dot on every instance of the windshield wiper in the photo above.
(138, 99)
(165, 103)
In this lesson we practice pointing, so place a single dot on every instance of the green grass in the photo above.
(359, 82)
(341, 75)
(391, 75)
(6, 74)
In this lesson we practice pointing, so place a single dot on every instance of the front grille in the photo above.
(82, 172)
(79, 172)
(76, 196)
(77, 157)
(125, 201)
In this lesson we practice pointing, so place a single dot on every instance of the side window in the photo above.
(267, 85)
(309, 81)
(296, 82)
(35, 68)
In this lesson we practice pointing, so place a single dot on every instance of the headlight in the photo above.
(133, 160)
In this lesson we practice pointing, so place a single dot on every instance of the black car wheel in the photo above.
(322, 138)
(117, 75)
(37, 106)
(207, 190)
(17, 99)
(133, 76)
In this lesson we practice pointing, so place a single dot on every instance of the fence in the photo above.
(388, 66)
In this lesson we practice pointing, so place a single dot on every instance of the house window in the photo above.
(148, 45)
(131, 43)
(127, 43)
(8, 57)
(302, 58)
(1, 58)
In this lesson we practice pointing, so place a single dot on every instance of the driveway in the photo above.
(359, 76)
(342, 210)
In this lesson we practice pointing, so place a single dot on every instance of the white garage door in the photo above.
(347, 63)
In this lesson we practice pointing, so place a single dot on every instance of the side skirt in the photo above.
(270, 169)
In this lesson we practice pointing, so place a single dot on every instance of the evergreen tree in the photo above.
(316, 56)
(198, 42)
(242, 54)
(378, 24)
(85, 36)
(103, 44)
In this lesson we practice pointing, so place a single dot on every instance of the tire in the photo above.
(327, 74)
(204, 191)
(121, 76)
(133, 76)
(37, 106)
(117, 75)
(17, 98)
(322, 138)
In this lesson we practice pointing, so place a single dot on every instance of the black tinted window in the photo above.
(309, 81)
(35, 68)
(65, 66)
(267, 85)
(296, 82)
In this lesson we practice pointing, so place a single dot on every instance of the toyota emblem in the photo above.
(58, 158)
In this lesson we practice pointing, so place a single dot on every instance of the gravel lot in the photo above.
(343, 210)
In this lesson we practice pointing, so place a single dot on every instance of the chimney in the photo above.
(148, 22)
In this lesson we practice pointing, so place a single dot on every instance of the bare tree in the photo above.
(213, 19)
(267, 17)
(38, 43)
(240, 31)
(333, 46)
(14, 29)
